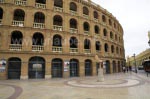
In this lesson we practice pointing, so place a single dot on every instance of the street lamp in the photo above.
(135, 63)
(149, 37)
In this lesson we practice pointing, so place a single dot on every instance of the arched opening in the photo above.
(39, 17)
(119, 68)
(36, 67)
(19, 15)
(85, 11)
(114, 66)
(103, 18)
(41, 1)
(111, 35)
(73, 23)
(117, 50)
(86, 26)
(88, 67)
(14, 68)
(16, 37)
(110, 22)
(114, 25)
(73, 42)
(97, 45)
(38, 39)
(87, 44)
(104, 32)
(57, 20)
(95, 15)
(1, 14)
(74, 68)
(96, 28)
(73, 6)
(106, 47)
(116, 38)
(57, 68)
(112, 49)
(57, 40)
(107, 67)
(58, 3)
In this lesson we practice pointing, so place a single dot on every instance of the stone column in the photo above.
(94, 69)
(24, 69)
(81, 69)
(48, 69)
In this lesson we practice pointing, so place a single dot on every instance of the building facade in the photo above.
(58, 38)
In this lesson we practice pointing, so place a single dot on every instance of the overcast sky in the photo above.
(134, 16)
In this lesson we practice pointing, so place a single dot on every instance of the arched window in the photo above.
(19, 15)
(41, 1)
(114, 25)
(117, 50)
(85, 11)
(112, 49)
(57, 20)
(73, 6)
(104, 32)
(111, 35)
(95, 15)
(39, 17)
(97, 45)
(86, 44)
(16, 37)
(110, 22)
(106, 47)
(86, 26)
(73, 42)
(103, 18)
(58, 3)
(38, 39)
(73, 23)
(57, 40)
(1, 14)
(96, 28)
(116, 38)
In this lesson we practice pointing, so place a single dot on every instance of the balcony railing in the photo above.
(73, 12)
(86, 32)
(18, 23)
(87, 51)
(73, 30)
(0, 21)
(15, 47)
(39, 25)
(96, 20)
(40, 5)
(59, 9)
(20, 2)
(2, 1)
(56, 49)
(37, 47)
(85, 16)
(73, 50)
(57, 27)
(107, 54)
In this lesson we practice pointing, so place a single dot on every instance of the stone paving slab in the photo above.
(58, 89)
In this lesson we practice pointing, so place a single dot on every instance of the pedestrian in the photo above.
(127, 69)
(124, 69)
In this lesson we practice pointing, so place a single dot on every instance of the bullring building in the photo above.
(57, 39)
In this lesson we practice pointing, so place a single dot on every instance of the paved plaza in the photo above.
(115, 86)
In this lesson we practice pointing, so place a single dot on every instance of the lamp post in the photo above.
(135, 63)
(149, 37)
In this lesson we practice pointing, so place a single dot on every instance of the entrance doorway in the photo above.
(88, 68)
(57, 66)
(36, 68)
(14, 68)
(74, 68)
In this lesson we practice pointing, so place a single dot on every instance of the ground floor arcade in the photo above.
(55, 66)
